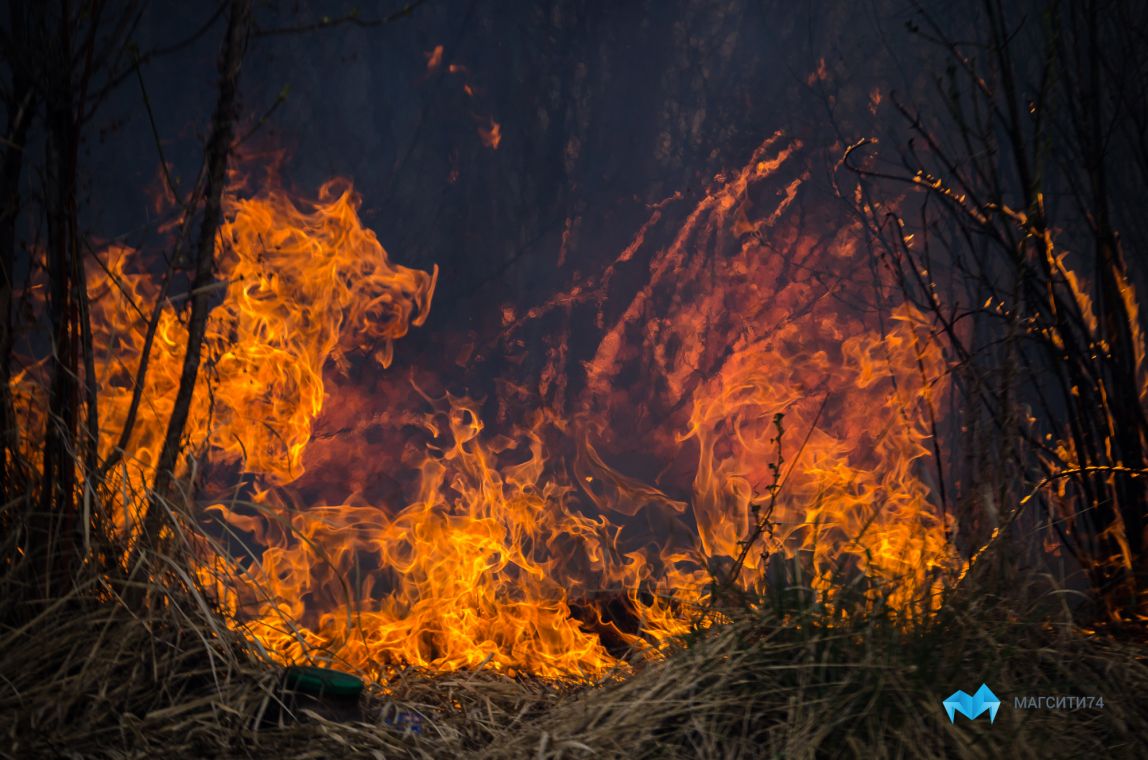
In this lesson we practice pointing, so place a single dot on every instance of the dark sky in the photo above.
(604, 108)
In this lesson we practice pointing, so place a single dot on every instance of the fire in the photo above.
(300, 288)
(588, 530)
(482, 568)
(434, 59)
(491, 135)
(742, 319)
(848, 493)
(489, 130)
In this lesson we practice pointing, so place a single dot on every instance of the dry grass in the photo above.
(84, 674)
(757, 689)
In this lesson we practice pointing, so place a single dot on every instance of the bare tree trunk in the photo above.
(56, 523)
(218, 151)
(20, 108)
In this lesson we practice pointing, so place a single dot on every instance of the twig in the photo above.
(353, 19)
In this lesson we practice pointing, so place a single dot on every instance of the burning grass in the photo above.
(617, 550)
(531, 538)
(87, 672)
(498, 614)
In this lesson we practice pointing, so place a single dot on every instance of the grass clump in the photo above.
(795, 687)
(93, 672)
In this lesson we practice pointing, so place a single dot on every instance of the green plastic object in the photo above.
(323, 682)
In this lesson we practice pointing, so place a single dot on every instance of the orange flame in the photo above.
(467, 574)
(301, 287)
(434, 58)
(497, 561)
(742, 319)
(536, 550)
(491, 136)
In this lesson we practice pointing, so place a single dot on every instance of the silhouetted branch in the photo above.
(218, 152)
(350, 19)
